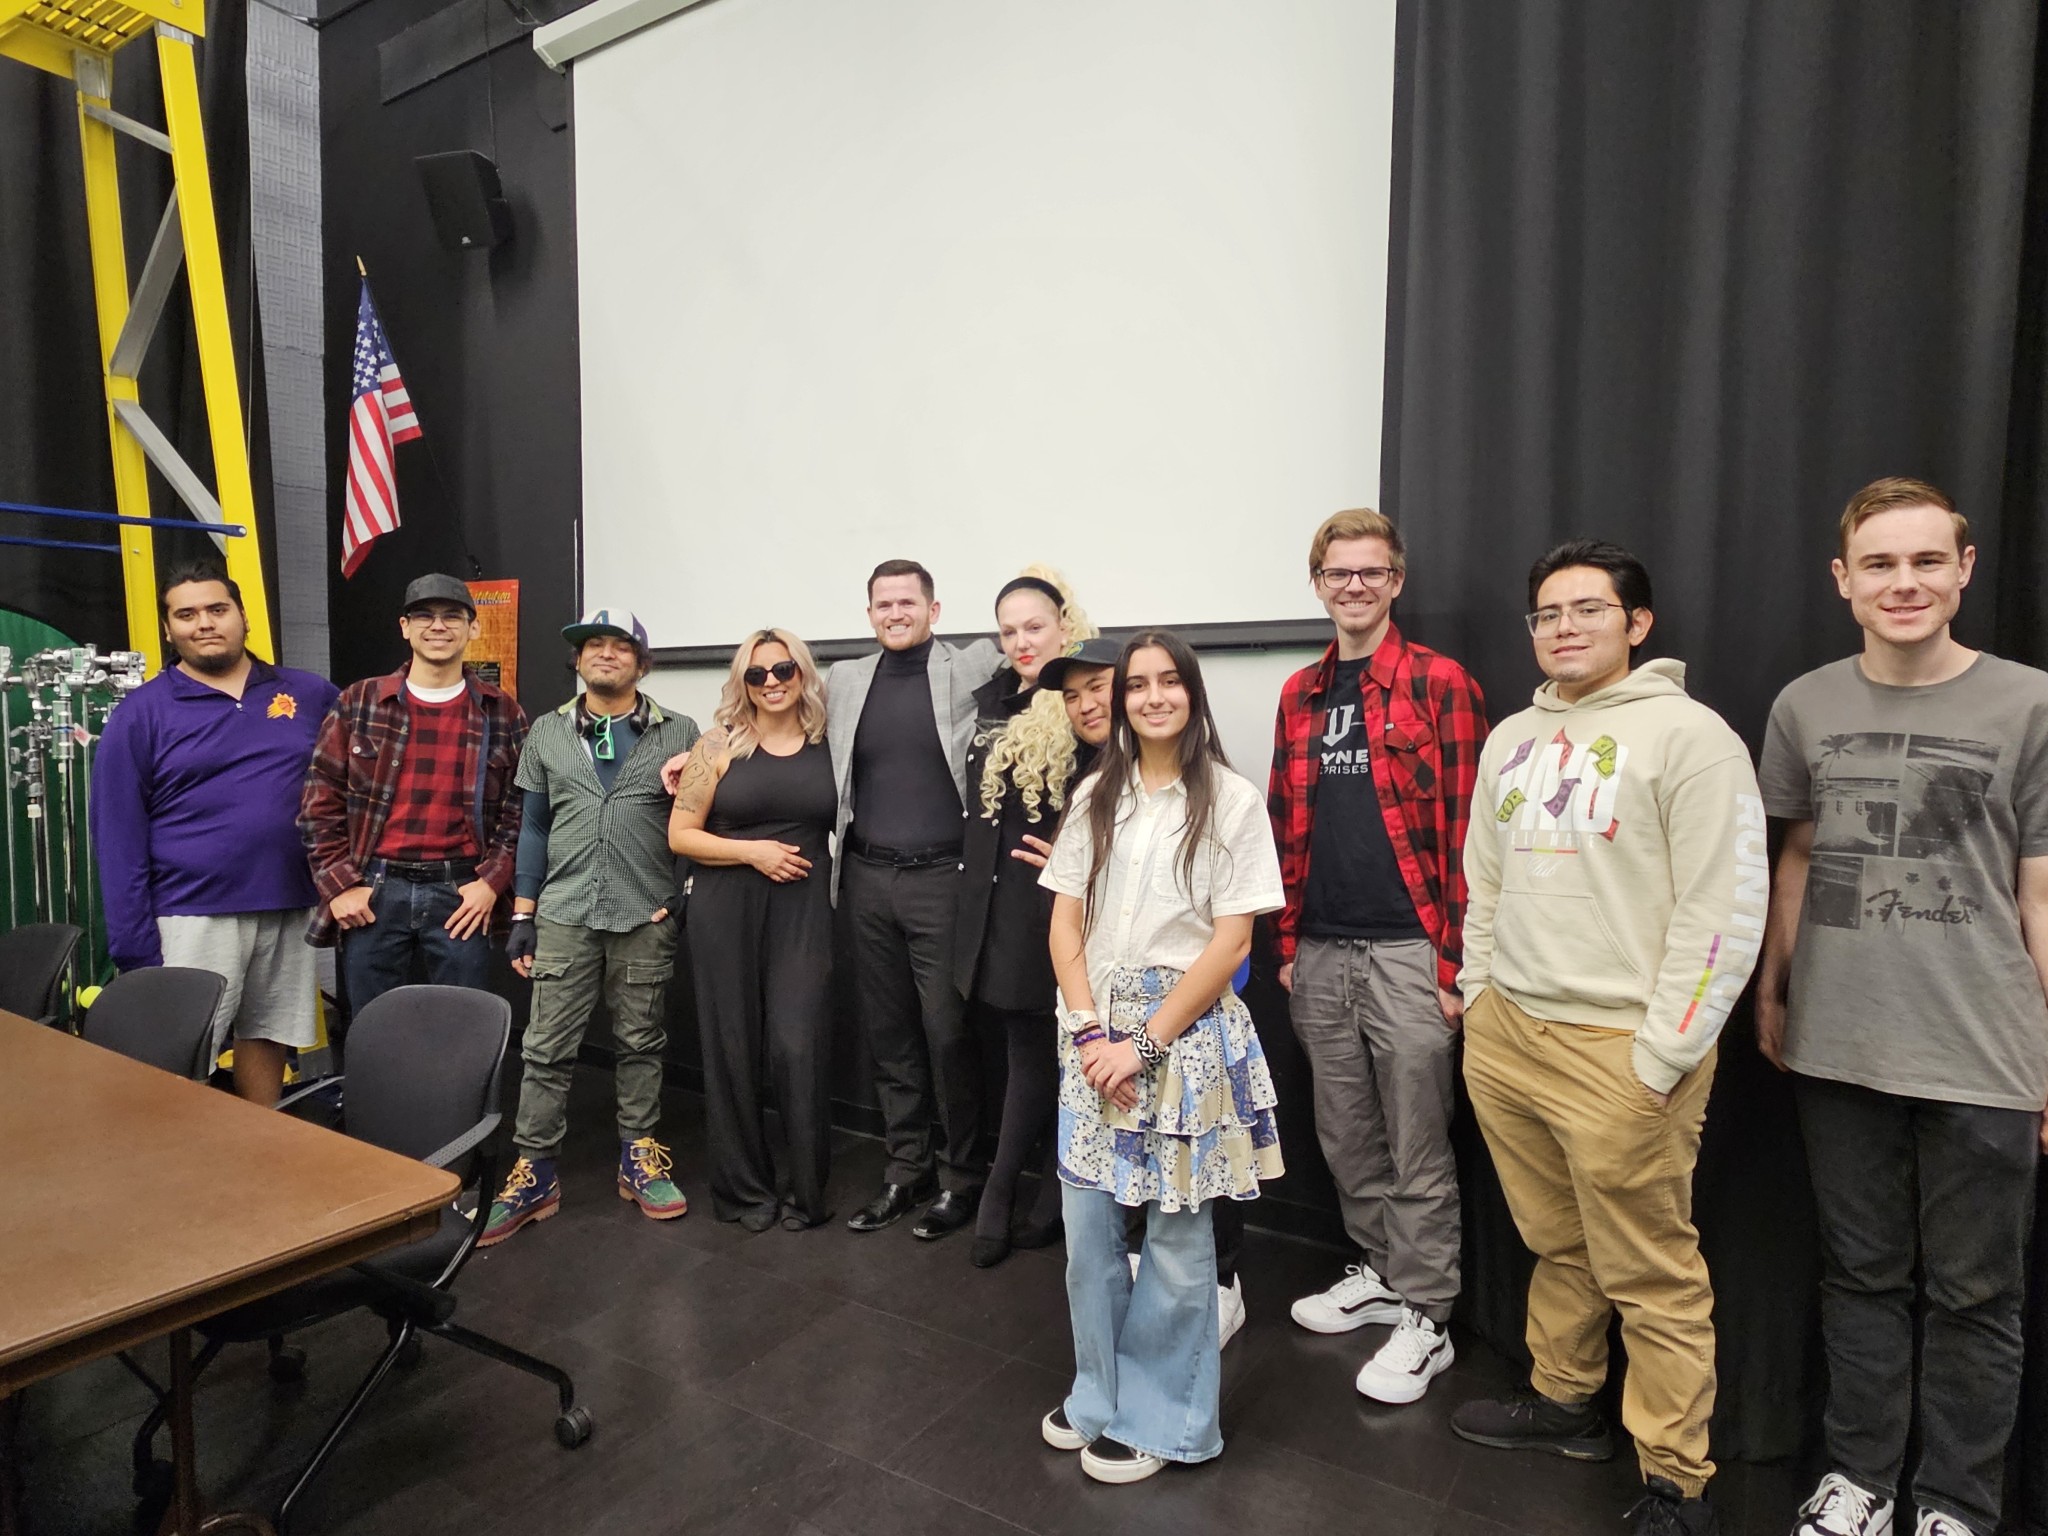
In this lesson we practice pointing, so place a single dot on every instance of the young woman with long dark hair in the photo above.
(1165, 858)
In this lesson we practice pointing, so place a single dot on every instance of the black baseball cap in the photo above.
(438, 589)
(1099, 652)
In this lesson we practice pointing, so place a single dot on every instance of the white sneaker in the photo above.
(1416, 1355)
(1059, 1434)
(1134, 1265)
(1229, 1311)
(1361, 1297)
(1842, 1508)
(1934, 1523)
(1111, 1461)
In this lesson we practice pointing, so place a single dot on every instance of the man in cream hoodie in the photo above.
(1619, 886)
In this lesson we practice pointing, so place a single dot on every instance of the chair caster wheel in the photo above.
(288, 1365)
(408, 1354)
(155, 1484)
(573, 1428)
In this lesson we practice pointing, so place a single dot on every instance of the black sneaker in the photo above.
(1525, 1420)
(1664, 1511)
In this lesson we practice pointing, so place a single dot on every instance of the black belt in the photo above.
(903, 858)
(453, 870)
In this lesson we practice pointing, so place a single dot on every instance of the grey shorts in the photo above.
(272, 972)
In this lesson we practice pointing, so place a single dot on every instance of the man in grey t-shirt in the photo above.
(1902, 983)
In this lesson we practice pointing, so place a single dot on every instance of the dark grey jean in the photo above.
(1949, 1187)
(2033, 1444)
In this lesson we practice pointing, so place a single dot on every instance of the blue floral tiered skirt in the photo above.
(1203, 1126)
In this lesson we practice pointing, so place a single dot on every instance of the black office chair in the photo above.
(35, 965)
(162, 1015)
(423, 1072)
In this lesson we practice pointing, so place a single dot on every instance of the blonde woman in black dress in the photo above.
(754, 810)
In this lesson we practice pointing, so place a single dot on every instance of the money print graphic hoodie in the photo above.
(1617, 867)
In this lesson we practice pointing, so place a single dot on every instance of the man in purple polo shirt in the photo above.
(195, 795)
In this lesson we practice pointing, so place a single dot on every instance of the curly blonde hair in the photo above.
(735, 710)
(1034, 749)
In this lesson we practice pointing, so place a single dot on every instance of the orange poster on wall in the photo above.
(495, 651)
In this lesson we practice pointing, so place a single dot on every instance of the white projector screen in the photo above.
(1095, 282)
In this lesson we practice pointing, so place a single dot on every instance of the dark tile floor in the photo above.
(814, 1384)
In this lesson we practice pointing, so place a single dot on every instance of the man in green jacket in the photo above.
(592, 902)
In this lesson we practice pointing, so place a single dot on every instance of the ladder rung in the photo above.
(120, 122)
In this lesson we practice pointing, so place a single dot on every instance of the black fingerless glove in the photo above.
(523, 940)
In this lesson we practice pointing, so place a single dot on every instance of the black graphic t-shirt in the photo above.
(1911, 974)
(1354, 888)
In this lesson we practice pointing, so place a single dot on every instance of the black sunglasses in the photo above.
(757, 676)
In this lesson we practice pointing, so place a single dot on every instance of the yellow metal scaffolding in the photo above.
(77, 39)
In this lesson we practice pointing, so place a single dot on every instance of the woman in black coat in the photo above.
(1022, 761)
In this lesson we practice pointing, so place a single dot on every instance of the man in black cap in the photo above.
(590, 917)
(410, 813)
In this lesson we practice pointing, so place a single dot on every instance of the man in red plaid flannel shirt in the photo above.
(410, 815)
(1374, 758)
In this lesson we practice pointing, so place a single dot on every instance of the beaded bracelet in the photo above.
(1093, 1032)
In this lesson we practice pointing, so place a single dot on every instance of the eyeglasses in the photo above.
(1590, 614)
(757, 677)
(1335, 578)
(601, 742)
(446, 618)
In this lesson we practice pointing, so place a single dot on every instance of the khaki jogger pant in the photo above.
(1599, 1180)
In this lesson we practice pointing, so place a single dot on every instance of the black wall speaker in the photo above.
(468, 204)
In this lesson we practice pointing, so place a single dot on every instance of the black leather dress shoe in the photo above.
(949, 1213)
(889, 1207)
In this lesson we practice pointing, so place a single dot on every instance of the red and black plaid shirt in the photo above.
(430, 807)
(1431, 718)
(352, 785)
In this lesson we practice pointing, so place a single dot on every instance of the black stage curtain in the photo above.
(1685, 276)
(53, 429)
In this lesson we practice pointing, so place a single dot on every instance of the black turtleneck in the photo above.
(904, 797)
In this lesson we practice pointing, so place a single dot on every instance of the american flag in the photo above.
(380, 416)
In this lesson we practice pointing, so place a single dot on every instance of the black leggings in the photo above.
(1030, 1123)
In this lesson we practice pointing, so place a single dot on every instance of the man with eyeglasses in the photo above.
(410, 815)
(1903, 989)
(1617, 879)
(1374, 754)
(899, 723)
(591, 913)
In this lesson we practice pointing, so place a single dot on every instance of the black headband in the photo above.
(1033, 584)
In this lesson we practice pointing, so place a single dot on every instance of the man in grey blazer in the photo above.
(899, 724)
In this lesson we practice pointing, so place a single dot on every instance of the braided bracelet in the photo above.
(1150, 1051)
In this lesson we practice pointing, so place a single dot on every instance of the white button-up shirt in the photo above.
(1144, 915)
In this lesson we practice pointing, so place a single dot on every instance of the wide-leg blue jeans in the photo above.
(1147, 1364)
